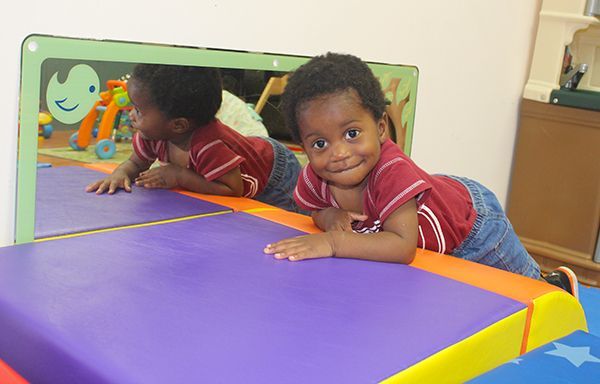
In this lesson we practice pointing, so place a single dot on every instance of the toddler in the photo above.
(174, 121)
(373, 201)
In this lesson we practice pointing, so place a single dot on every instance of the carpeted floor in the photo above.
(89, 155)
(122, 154)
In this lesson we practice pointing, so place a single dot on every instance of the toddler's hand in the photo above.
(160, 177)
(110, 184)
(303, 247)
(336, 219)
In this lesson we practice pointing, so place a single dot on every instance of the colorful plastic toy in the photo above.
(114, 103)
(44, 127)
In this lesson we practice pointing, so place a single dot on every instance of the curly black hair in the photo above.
(182, 91)
(328, 74)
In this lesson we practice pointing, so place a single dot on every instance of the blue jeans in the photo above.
(492, 240)
(279, 190)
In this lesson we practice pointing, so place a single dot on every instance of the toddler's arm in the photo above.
(121, 177)
(172, 176)
(396, 243)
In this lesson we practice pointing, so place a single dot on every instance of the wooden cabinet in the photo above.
(554, 198)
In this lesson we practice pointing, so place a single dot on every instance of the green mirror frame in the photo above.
(398, 81)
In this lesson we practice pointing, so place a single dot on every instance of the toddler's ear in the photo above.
(179, 124)
(382, 128)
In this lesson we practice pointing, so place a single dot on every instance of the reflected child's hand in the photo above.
(160, 177)
(303, 247)
(110, 184)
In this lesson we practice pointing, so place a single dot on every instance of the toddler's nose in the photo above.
(340, 151)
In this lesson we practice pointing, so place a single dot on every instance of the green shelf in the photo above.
(577, 98)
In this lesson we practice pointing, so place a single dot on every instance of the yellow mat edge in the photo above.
(471, 357)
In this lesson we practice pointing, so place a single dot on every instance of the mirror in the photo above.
(50, 126)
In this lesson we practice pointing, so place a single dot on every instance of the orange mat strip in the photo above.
(9, 376)
(517, 287)
(102, 167)
(525, 340)
(290, 219)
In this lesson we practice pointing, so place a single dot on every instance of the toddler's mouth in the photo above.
(345, 169)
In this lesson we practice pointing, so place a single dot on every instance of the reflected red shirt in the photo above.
(215, 150)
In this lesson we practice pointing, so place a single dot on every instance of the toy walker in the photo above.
(45, 129)
(114, 103)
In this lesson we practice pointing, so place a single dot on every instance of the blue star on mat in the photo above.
(575, 355)
(574, 358)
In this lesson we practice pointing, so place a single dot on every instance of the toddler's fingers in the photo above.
(101, 188)
(292, 252)
(142, 180)
(280, 245)
(268, 249)
(152, 185)
(113, 187)
(92, 186)
(358, 216)
(273, 248)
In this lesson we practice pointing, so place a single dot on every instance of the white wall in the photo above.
(473, 58)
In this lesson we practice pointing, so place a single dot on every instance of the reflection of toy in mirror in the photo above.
(44, 127)
(114, 104)
(123, 130)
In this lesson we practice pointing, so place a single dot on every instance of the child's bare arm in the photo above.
(396, 243)
(172, 176)
(121, 177)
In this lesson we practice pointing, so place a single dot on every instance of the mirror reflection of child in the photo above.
(174, 122)
(373, 201)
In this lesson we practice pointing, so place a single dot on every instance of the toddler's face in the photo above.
(341, 138)
(145, 117)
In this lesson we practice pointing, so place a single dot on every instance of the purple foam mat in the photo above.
(63, 206)
(197, 301)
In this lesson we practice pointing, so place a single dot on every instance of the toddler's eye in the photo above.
(352, 133)
(319, 144)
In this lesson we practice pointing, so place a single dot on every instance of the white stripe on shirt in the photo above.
(400, 196)
(433, 230)
(207, 146)
(438, 227)
(387, 164)
(253, 188)
(216, 170)
(310, 186)
(303, 201)
(142, 148)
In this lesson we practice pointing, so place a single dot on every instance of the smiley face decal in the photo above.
(70, 101)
